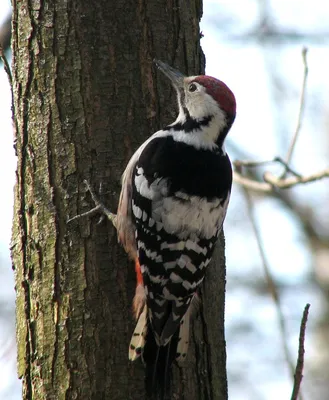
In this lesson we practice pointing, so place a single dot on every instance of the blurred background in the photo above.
(255, 47)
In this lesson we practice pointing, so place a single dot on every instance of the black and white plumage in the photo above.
(175, 193)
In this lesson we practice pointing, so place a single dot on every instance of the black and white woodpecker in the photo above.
(175, 192)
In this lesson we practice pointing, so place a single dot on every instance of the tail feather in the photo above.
(183, 338)
(184, 329)
(137, 342)
(173, 323)
(158, 361)
(159, 354)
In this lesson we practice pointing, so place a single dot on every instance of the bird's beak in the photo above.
(176, 77)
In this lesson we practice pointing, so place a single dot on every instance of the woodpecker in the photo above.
(175, 193)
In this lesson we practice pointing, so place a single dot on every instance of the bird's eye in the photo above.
(192, 87)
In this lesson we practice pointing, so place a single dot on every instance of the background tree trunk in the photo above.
(85, 97)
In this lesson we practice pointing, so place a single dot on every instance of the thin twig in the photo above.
(272, 181)
(301, 108)
(282, 182)
(250, 164)
(271, 285)
(252, 184)
(301, 351)
(293, 181)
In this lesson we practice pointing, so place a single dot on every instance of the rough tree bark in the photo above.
(85, 96)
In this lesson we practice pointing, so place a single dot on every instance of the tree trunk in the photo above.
(86, 94)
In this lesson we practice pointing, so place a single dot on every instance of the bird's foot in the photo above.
(99, 207)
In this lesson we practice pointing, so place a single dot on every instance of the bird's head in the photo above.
(205, 104)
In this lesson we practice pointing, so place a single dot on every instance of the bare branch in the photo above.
(293, 181)
(301, 351)
(272, 182)
(252, 184)
(301, 108)
(250, 163)
(271, 284)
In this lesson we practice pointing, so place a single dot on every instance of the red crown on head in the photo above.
(219, 92)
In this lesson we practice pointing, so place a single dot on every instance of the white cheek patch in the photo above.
(199, 105)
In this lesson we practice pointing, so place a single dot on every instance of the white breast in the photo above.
(190, 216)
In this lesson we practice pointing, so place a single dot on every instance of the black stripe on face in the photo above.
(190, 124)
(187, 113)
(224, 132)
